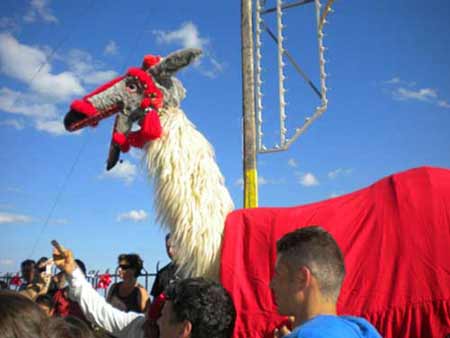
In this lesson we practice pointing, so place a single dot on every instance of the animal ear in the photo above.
(175, 61)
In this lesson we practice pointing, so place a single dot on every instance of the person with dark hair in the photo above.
(309, 273)
(195, 307)
(20, 317)
(167, 274)
(128, 295)
(3, 285)
(29, 275)
(68, 327)
(46, 303)
(63, 305)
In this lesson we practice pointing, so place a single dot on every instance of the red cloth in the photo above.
(65, 307)
(395, 235)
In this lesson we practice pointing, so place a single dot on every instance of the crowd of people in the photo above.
(309, 273)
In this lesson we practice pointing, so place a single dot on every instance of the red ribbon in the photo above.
(104, 281)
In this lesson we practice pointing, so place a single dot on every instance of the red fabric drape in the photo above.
(395, 235)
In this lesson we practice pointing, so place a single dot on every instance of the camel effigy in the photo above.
(392, 233)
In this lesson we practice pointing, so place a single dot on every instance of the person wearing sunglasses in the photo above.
(128, 295)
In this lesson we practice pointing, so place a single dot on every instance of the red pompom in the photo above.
(150, 61)
(121, 140)
(83, 107)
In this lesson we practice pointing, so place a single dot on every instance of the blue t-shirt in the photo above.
(335, 327)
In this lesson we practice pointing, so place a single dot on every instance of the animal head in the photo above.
(138, 96)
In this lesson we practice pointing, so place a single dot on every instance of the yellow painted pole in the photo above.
(248, 109)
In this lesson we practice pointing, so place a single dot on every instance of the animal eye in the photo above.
(132, 87)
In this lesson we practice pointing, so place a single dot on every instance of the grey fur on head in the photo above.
(164, 72)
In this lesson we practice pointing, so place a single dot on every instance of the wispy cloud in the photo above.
(31, 66)
(10, 218)
(6, 262)
(39, 10)
(261, 181)
(8, 24)
(85, 68)
(16, 124)
(292, 163)
(47, 89)
(125, 171)
(188, 36)
(339, 172)
(307, 179)
(133, 215)
(402, 90)
(443, 104)
(334, 194)
(111, 48)
(424, 94)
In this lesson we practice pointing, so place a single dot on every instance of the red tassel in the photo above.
(155, 308)
(121, 140)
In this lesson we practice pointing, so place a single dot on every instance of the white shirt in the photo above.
(97, 310)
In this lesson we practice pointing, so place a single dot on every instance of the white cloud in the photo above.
(443, 104)
(136, 153)
(31, 66)
(59, 221)
(239, 182)
(308, 180)
(39, 10)
(424, 94)
(54, 127)
(292, 163)
(125, 171)
(83, 65)
(339, 172)
(7, 218)
(6, 261)
(17, 124)
(187, 36)
(25, 104)
(111, 48)
(133, 215)
(394, 80)
(334, 194)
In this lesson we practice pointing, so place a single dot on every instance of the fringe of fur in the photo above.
(191, 199)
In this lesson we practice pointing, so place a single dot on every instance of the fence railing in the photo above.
(94, 276)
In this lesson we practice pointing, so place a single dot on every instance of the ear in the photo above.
(186, 329)
(175, 61)
(304, 277)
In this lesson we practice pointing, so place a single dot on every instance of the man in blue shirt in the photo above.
(309, 272)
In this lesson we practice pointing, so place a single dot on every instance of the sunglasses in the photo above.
(124, 266)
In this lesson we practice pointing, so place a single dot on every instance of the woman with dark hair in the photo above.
(20, 317)
(128, 295)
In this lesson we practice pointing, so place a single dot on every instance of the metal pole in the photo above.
(248, 96)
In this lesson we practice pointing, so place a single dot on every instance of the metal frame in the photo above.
(278, 38)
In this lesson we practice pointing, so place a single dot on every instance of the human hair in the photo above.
(81, 265)
(134, 261)
(27, 262)
(68, 327)
(315, 248)
(20, 316)
(45, 300)
(206, 304)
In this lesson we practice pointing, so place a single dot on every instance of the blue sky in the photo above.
(389, 110)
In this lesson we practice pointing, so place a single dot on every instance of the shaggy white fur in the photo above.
(191, 199)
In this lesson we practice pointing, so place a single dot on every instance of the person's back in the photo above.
(308, 277)
(335, 327)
